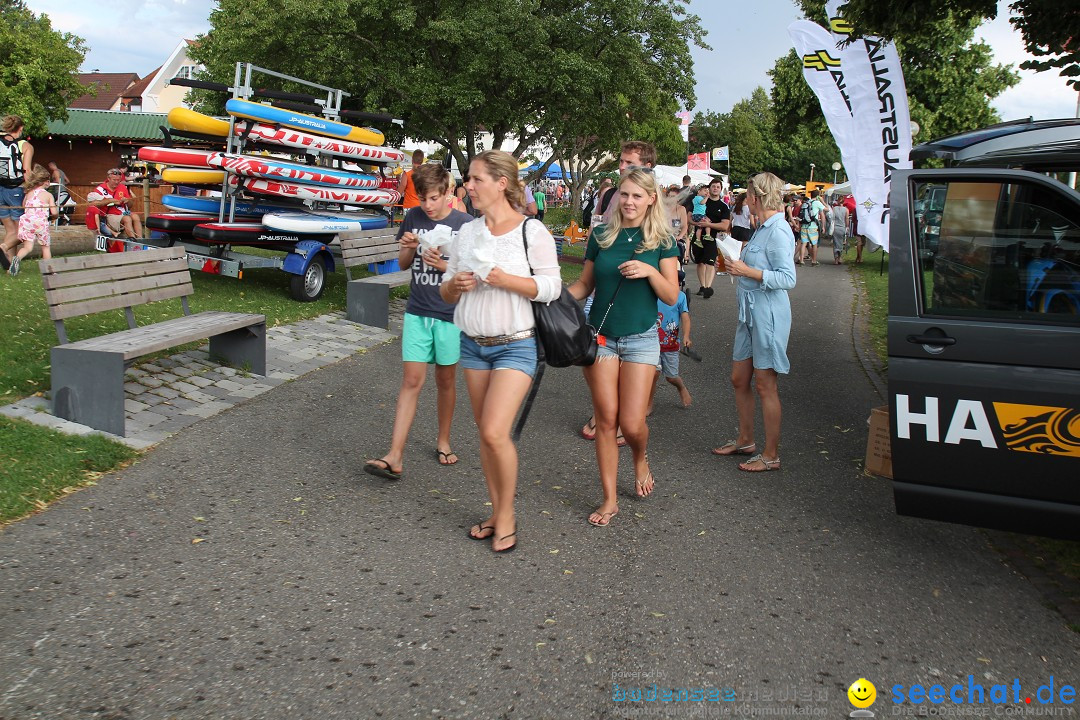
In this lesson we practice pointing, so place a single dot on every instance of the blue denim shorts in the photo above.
(11, 200)
(669, 363)
(518, 355)
(643, 347)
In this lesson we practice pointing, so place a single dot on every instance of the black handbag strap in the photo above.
(538, 375)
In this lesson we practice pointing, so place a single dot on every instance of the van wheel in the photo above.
(309, 286)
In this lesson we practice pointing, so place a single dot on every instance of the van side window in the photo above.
(1004, 251)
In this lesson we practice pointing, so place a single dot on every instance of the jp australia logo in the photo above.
(821, 60)
(307, 122)
(1024, 428)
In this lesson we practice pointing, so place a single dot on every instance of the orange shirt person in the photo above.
(409, 198)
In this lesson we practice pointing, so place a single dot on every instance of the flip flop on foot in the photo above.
(732, 448)
(444, 458)
(645, 487)
(384, 471)
(758, 463)
(620, 440)
(602, 519)
(508, 548)
(476, 531)
(589, 431)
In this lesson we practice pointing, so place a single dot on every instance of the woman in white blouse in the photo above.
(493, 280)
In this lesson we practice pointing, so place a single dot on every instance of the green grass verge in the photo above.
(40, 465)
(873, 280)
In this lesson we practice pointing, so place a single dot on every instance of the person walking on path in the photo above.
(428, 334)
(674, 329)
(766, 271)
(717, 220)
(15, 157)
(839, 230)
(742, 222)
(406, 186)
(630, 262)
(34, 223)
(499, 264)
(541, 203)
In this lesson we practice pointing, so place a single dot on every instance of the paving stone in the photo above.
(151, 399)
(134, 406)
(152, 368)
(146, 419)
(182, 403)
(134, 388)
(150, 381)
(184, 387)
(200, 381)
(183, 371)
(168, 378)
(167, 363)
(135, 373)
(166, 392)
(208, 409)
(227, 371)
(198, 396)
(229, 385)
(251, 391)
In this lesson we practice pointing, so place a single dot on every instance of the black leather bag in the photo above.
(563, 335)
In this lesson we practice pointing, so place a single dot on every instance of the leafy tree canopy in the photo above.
(38, 67)
(532, 70)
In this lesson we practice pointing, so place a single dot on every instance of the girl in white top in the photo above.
(496, 319)
(742, 223)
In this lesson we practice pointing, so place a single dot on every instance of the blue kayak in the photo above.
(210, 206)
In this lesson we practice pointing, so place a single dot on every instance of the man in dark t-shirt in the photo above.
(717, 220)
(428, 334)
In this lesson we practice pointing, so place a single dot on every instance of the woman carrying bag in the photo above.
(630, 262)
(488, 279)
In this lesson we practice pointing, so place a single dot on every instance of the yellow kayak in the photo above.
(193, 176)
(191, 121)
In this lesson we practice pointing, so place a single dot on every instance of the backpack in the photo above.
(805, 216)
(11, 164)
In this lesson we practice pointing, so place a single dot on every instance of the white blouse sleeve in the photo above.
(544, 261)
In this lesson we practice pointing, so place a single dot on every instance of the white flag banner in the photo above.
(881, 122)
(824, 74)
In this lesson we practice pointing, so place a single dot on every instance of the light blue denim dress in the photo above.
(764, 309)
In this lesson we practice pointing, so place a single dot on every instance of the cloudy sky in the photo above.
(747, 38)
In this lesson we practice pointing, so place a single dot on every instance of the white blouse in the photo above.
(741, 218)
(489, 311)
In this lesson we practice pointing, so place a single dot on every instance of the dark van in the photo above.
(984, 330)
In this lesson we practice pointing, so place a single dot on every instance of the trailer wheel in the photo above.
(309, 286)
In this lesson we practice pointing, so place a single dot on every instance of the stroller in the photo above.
(64, 204)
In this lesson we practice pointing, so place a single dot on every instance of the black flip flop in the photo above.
(482, 529)
(383, 471)
(506, 549)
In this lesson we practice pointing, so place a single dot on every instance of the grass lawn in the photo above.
(873, 280)
(38, 465)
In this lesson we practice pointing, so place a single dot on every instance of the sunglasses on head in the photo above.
(642, 168)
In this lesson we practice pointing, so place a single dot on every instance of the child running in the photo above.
(674, 324)
(34, 223)
(428, 334)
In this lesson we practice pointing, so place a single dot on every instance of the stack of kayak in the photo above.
(278, 201)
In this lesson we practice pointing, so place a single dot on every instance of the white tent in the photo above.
(673, 175)
(843, 188)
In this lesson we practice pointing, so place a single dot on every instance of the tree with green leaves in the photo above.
(535, 71)
(38, 67)
(1050, 28)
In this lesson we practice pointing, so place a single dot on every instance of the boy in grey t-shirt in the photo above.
(428, 334)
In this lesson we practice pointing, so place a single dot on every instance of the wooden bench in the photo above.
(367, 299)
(88, 375)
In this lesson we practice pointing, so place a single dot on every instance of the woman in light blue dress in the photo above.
(766, 271)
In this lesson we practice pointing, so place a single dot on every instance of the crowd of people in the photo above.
(476, 273)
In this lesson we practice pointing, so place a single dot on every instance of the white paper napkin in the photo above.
(481, 259)
(729, 246)
(437, 237)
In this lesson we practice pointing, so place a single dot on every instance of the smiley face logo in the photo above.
(862, 693)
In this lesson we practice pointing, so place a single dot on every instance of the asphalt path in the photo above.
(248, 568)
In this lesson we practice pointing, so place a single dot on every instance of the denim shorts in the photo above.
(430, 340)
(669, 363)
(643, 347)
(11, 200)
(518, 355)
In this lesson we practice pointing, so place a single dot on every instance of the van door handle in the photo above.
(931, 339)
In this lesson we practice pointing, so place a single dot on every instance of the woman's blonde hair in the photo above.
(768, 189)
(36, 178)
(655, 228)
(502, 164)
(11, 123)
